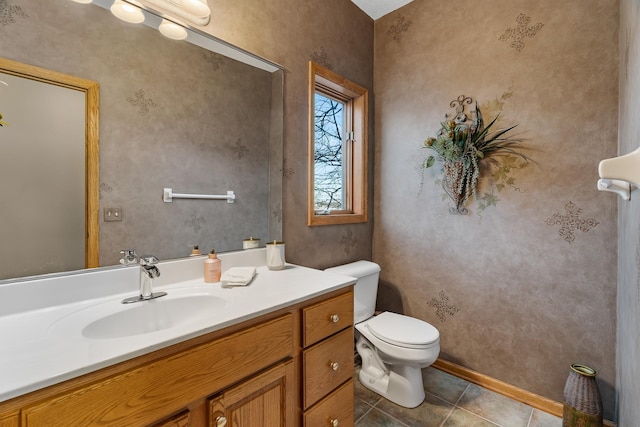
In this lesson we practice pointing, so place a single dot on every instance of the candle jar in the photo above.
(250, 243)
(275, 255)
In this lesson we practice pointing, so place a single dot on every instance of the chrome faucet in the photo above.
(129, 257)
(148, 272)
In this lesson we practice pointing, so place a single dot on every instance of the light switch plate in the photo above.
(112, 214)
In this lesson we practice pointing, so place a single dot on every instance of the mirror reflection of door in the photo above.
(43, 186)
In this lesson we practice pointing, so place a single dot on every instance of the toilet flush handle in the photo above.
(334, 318)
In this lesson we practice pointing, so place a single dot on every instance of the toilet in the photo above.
(394, 348)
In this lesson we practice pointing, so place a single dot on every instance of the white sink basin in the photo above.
(154, 315)
(112, 320)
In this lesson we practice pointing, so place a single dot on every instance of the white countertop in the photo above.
(42, 344)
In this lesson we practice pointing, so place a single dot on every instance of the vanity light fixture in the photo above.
(172, 30)
(127, 12)
(193, 11)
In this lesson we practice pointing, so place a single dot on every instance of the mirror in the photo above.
(172, 114)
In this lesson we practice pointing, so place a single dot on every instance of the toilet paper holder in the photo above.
(620, 174)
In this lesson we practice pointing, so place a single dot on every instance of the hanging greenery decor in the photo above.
(461, 144)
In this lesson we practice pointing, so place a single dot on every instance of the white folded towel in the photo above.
(237, 276)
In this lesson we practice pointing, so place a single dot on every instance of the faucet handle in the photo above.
(148, 265)
(149, 260)
(129, 257)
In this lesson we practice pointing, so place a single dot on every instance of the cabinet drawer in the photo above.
(334, 410)
(326, 318)
(327, 365)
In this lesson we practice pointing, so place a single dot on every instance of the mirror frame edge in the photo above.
(91, 90)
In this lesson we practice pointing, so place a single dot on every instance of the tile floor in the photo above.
(450, 402)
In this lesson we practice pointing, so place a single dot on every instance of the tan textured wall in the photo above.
(628, 350)
(525, 284)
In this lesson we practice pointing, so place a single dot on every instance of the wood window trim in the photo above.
(357, 188)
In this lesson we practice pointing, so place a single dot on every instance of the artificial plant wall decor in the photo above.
(467, 149)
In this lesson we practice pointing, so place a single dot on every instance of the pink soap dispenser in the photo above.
(212, 268)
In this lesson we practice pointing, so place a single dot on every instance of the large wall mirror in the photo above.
(171, 114)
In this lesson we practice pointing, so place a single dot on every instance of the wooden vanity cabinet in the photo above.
(172, 389)
(281, 369)
(327, 362)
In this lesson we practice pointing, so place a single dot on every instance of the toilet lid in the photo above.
(402, 330)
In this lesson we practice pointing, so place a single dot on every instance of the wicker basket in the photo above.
(582, 400)
(454, 183)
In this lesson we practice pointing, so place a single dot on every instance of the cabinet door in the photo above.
(264, 400)
(10, 420)
(183, 419)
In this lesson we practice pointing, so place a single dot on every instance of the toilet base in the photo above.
(396, 388)
(401, 384)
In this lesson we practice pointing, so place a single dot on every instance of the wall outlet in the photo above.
(112, 214)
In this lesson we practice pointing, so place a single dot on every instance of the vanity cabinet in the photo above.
(174, 382)
(285, 368)
(327, 362)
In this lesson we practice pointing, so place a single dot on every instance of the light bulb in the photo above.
(197, 7)
(127, 12)
(172, 30)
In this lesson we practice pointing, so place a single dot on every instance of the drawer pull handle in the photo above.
(334, 422)
(334, 365)
(221, 421)
(335, 318)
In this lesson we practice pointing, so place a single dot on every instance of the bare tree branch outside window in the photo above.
(328, 154)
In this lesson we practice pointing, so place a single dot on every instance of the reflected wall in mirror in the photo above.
(49, 164)
(171, 115)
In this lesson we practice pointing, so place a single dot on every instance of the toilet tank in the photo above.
(366, 288)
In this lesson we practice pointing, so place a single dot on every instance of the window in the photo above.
(330, 153)
(337, 149)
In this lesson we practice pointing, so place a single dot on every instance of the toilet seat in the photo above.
(403, 331)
